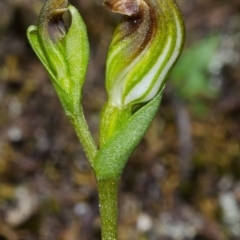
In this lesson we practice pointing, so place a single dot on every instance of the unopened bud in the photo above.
(145, 46)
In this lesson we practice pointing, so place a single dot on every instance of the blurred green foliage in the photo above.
(190, 75)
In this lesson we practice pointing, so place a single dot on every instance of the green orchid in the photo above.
(144, 48)
(146, 44)
(64, 55)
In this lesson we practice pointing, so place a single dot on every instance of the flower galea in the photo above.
(145, 46)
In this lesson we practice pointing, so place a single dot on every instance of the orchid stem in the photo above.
(84, 135)
(108, 204)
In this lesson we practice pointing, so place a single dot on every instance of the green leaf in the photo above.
(112, 157)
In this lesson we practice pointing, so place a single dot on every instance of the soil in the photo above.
(181, 183)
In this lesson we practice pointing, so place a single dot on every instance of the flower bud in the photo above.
(64, 53)
(145, 46)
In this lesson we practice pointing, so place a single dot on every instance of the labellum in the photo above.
(50, 20)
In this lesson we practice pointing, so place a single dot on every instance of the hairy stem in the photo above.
(108, 204)
(84, 135)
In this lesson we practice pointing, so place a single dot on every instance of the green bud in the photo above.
(64, 53)
(145, 46)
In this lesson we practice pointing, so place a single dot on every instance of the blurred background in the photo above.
(181, 183)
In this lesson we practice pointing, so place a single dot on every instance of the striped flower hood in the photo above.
(145, 46)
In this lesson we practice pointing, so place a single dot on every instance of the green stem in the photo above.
(79, 122)
(108, 204)
(112, 118)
